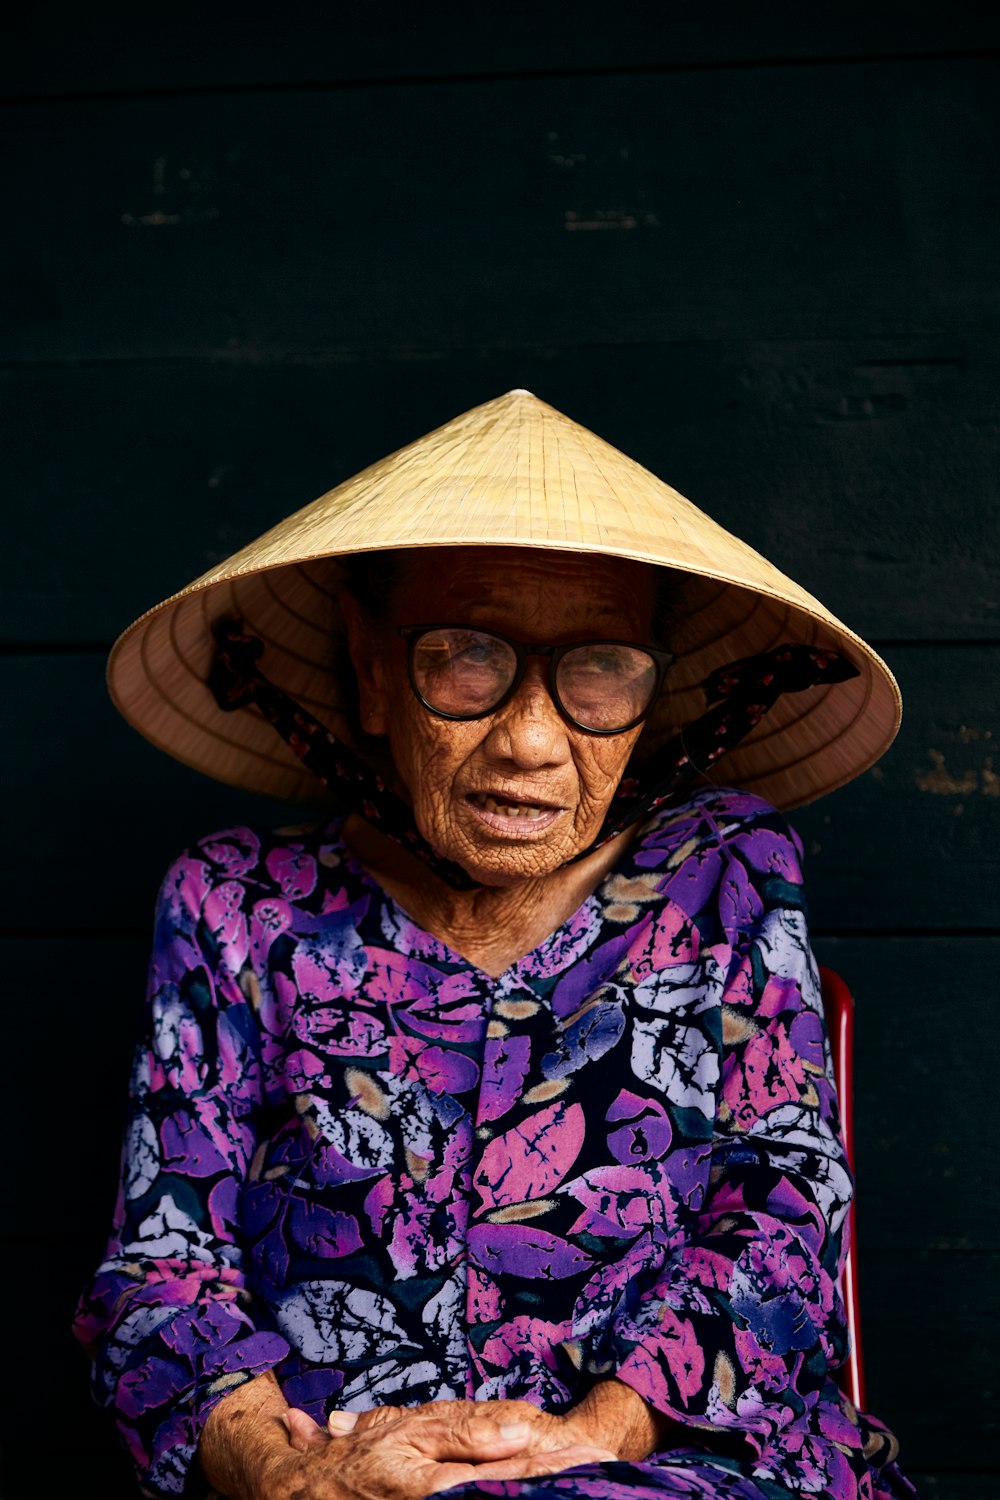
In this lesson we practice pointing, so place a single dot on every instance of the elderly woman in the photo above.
(483, 1133)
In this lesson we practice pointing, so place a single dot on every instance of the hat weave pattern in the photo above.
(512, 472)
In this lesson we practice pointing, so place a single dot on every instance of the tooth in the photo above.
(528, 810)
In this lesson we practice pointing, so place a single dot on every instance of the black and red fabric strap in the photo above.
(739, 695)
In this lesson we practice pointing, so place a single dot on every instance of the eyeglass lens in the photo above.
(601, 685)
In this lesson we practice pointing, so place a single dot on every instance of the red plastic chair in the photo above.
(838, 1004)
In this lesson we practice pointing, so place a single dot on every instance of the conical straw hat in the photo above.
(513, 471)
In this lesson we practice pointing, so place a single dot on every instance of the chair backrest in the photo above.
(838, 1004)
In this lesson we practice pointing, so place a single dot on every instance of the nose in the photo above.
(529, 730)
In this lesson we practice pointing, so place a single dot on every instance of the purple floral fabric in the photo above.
(358, 1160)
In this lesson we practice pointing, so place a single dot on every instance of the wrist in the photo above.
(614, 1416)
(244, 1443)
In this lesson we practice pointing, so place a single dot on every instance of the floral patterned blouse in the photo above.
(356, 1159)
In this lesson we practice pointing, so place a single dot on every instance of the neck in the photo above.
(491, 926)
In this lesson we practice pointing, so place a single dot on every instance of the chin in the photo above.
(499, 867)
(498, 853)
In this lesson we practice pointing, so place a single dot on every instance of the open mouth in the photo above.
(531, 812)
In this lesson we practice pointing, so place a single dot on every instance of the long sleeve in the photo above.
(741, 1325)
(356, 1159)
(166, 1315)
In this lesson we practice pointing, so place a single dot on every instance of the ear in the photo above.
(366, 658)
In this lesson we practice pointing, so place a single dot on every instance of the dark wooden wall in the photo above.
(249, 251)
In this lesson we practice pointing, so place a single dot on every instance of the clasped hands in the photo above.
(255, 1447)
(404, 1453)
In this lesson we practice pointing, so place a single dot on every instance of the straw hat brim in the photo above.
(513, 472)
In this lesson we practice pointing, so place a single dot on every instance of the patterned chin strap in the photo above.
(740, 694)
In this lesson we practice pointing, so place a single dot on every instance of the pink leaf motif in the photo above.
(644, 1373)
(669, 938)
(304, 1071)
(293, 870)
(525, 1336)
(439, 1069)
(767, 1075)
(708, 1268)
(224, 917)
(235, 850)
(378, 1201)
(779, 995)
(677, 1344)
(762, 1368)
(532, 1158)
(622, 1201)
(485, 1301)
(340, 1031)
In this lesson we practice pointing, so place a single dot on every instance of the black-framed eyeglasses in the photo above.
(603, 687)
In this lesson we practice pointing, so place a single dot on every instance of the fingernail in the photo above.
(342, 1421)
(515, 1430)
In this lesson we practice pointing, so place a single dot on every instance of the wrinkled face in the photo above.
(516, 794)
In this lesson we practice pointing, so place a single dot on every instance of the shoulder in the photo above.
(720, 818)
(725, 858)
(226, 900)
(241, 865)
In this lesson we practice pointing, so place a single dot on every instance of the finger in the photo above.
(528, 1465)
(546, 1431)
(339, 1423)
(303, 1432)
(469, 1437)
(426, 1411)
(374, 1417)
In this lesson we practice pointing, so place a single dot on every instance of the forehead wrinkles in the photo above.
(532, 580)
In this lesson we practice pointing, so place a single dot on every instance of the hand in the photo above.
(409, 1452)
(254, 1448)
(611, 1418)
